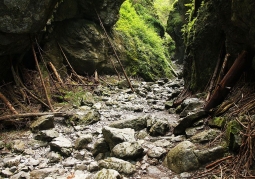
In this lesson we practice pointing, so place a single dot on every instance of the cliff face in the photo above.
(73, 24)
(177, 18)
(214, 29)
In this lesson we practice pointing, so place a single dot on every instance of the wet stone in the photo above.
(156, 152)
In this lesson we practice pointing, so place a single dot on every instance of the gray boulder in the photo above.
(205, 136)
(61, 145)
(136, 123)
(157, 126)
(187, 121)
(182, 158)
(127, 150)
(42, 173)
(6, 173)
(20, 18)
(117, 164)
(43, 123)
(46, 135)
(115, 136)
(100, 146)
(83, 141)
(107, 173)
(19, 146)
(21, 175)
(54, 157)
(84, 117)
(156, 152)
(210, 154)
(11, 161)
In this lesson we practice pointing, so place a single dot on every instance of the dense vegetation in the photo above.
(144, 40)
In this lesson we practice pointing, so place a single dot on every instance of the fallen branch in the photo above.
(70, 66)
(223, 68)
(228, 81)
(218, 162)
(30, 93)
(213, 78)
(25, 115)
(117, 57)
(55, 73)
(8, 104)
(41, 78)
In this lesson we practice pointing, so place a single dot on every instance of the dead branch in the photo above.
(117, 57)
(30, 93)
(8, 104)
(57, 76)
(217, 162)
(40, 74)
(223, 68)
(213, 78)
(70, 66)
(26, 115)
(227, 82)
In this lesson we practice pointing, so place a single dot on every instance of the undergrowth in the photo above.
(147, 54)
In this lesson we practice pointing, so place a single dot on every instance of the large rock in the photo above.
(11, 161)
(136, 123)
(100, 146)
(20, 18)
(90, 37)
(108, 10)
(157, 126)
(107, 173)
(205, 136)
(61, 145)
(127, 150)
(210, 154)
(46, 135)
(73, 24)
(187, 121)
(115, 136)
(83, 141)
(156, 152)
(182, 158)
(43, 123)
(42, 173)
(118, 164)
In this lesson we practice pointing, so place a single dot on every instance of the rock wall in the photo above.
(177, 18)
(219, 27)
(74, 25)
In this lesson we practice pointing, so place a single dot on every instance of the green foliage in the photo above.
(147, 55)
(188, 28)
(163, 7)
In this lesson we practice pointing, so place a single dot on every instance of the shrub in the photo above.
(147, 54)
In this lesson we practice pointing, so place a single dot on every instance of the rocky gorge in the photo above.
(170, 125)
(116, 134)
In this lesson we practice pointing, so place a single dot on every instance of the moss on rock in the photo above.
(232, 135)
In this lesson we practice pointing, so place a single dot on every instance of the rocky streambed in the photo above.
(115, 133)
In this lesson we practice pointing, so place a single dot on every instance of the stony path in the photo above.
(114, 134)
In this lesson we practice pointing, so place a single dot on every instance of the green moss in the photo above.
(218, 122)
(147, 55)
(84, 118)
(232, 135)
(75, 97)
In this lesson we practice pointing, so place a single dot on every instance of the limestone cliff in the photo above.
(215, 28)
(74, 24)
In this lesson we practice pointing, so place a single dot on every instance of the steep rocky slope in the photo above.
(212, 30)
